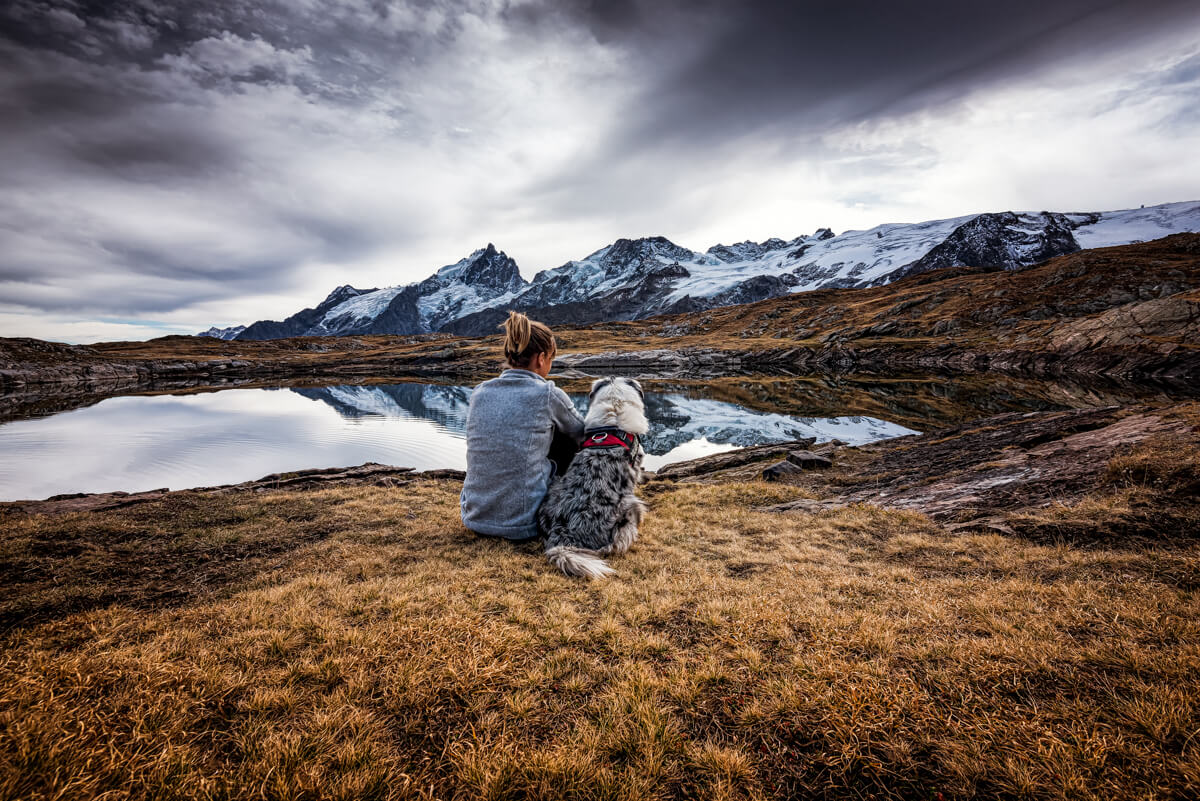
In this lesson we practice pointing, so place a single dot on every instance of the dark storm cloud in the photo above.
(112, 80)
(722, 69)
(78, 116)
(352, 38)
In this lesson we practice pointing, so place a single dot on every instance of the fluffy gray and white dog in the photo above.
(591, 512)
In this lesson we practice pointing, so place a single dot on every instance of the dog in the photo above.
(591, 511)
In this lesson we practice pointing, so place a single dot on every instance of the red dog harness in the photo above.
(609, 437)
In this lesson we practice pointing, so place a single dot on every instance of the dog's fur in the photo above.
(591, 511)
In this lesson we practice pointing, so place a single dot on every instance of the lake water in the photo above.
(143, 442)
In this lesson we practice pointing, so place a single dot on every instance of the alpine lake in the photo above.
(80, 441)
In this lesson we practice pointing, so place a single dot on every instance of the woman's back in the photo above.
(511, 422)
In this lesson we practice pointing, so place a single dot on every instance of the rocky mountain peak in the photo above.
(341, 294)
(492, 269)
(752, 251)
(627, 255)
(223, 333)
(486, 268)
(743, 251)
(1004, 240)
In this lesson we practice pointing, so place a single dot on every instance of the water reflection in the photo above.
(920, 402)
(443, 404)
(135, 443)
(675, 418)
(138, 443)
(82, 440)
(926, 402)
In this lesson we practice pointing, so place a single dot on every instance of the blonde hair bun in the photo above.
(525, 338)
(517, 332)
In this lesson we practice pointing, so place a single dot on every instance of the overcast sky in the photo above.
(173, 165)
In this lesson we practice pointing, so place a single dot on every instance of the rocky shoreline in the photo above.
(101, 376)
(948, 359)
(85, 367)
(28, 362)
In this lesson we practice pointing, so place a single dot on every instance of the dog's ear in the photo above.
(597, 385)
(633, 382)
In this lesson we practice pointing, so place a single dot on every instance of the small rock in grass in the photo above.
(780, 469)
(807, 460)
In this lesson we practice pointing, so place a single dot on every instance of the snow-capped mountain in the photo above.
(223, 333)
(635, 278)
(485, 278)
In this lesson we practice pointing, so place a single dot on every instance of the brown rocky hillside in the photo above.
(1124, 310)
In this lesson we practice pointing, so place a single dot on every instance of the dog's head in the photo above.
(614, 383)
(618, 401)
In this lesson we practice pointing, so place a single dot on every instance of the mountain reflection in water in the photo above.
(140, 442)
(675, 418)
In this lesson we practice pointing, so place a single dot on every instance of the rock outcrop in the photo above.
(724, 461)
(1004, 473)
(998, 241)
(998, 464)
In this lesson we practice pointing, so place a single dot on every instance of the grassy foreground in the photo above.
(357, 642)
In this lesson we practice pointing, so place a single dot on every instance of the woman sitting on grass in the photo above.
(521, 430)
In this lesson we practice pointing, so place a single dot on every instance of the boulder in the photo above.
(780, 470)
(807, 460)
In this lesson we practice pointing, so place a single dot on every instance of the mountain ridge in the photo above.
(637, 278)
(1130, 311)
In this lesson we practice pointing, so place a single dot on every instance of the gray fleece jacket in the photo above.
(511, 421)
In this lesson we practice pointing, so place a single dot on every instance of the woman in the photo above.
(512, 421)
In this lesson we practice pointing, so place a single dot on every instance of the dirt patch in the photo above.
(163, 548)
(161, 552)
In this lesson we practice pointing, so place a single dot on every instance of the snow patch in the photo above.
(362, 307)
(1138, 225)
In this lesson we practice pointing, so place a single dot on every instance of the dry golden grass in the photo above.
(856, 653)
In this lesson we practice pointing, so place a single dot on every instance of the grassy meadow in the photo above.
(358, 643)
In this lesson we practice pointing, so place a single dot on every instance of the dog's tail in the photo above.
(578, 562)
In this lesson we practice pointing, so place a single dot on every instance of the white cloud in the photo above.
(232, 56)
(76, 331)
